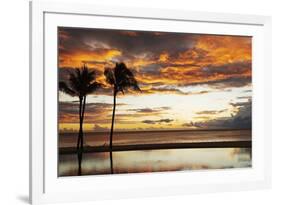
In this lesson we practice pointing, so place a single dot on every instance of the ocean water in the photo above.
(156, 160)
(154, 137)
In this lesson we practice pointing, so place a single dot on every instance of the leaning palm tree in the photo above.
(120, 78)
(81, 82)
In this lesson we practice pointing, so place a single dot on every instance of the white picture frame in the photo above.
(46, 187)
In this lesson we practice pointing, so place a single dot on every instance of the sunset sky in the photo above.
(188, 81)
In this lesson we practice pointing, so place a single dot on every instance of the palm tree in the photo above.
(120, 78)
(81, 82)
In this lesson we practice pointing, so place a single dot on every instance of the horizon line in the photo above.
(158, 130)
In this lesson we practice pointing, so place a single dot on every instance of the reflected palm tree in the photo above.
(120, 78)
(81, 82)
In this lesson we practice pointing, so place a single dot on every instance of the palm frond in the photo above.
(75, 81)
(124, 78)
(93, 87)
(109, 75)
(81, 82)
(64, 88)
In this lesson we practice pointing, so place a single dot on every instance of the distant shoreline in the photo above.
(170, 130)
(139, 147)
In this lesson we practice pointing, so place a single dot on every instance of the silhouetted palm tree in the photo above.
(81, 82)
(120, 78)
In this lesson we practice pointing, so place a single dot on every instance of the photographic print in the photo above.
(149, 101)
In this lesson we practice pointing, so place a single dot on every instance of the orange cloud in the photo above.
(213, 58)
(77, 58)
(208, 59)
(226, 49)
(164, 57)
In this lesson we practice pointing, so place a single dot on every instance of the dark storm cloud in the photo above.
(131, 115)
(231, 82)
(94, 112)
(74, 106)
(239, 104)
(101, 113)
(150, 110)
(229, 69)
(244, 97)
(223, 76)
(167, 120)
(64, 74)
(211, 112)
(241, 120)
(143, 42)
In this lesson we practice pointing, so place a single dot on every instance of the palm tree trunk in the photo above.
(79, 150)
(111, 131)
(80, 123)
(81, 144)
(82, 117)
